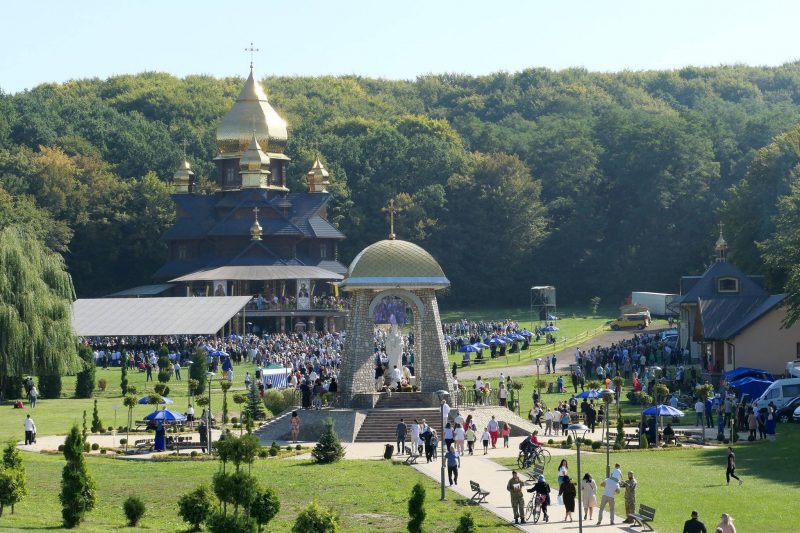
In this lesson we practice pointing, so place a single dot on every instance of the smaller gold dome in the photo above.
(182, 177)
(317, 177)
(395, 263)
(255, 231)
(254, 159)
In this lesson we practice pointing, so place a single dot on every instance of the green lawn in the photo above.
(57, 416)
(369, 495)
(677, 481)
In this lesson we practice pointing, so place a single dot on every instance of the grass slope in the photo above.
(369, 495)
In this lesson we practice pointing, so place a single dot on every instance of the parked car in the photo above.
(796, 415)
(784, 414)
(638, 320)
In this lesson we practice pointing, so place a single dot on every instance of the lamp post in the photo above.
(608, 394)
(582, 429)
(209, 377)
(443, 394)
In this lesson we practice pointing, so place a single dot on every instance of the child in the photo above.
(506, 434)
(471, 439)
(485, 438)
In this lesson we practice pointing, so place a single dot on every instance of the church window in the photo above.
(728, 285)
(182, 251)
(229, 177)
(323, 251)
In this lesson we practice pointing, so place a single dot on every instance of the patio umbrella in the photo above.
(526, 333)
(166, 415)
(497, 340)
(144, 400)
(662, 410)
(480, 345)
(549, 328)
(518, 337)
(467, 348)
(218, 353)
(589, 394)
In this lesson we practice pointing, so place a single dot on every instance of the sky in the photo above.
(54, 40)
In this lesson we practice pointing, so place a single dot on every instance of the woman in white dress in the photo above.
(589, 496)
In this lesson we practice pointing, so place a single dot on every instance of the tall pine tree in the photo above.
(77, 486)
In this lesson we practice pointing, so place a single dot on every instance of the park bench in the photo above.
(534, 473)
(480, 495)
(412, 456)
(644, 517)
(144, 444)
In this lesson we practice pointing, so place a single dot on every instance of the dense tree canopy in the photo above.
(598, 183)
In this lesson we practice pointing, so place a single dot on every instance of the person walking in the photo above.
(34, 396)
(471, 438)
(400, 434)
(453, 461)
(730, 471)
(542, 488)
(494, 431)
(295, 423)
(589, 496)
(610, 489)
(485, 438)
(514, 487)
(563, 471)
(30, 430)
(693, 525)
(415, 438)
(630, 496)
(176, 367)
(752, 425)
(699, 409)
(190, 417)
(548, 422)
(506, 432)
(459, 435)
(568, 493)
(726, 524)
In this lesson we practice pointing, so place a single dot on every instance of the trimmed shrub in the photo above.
(274, 400)
(95, 446)
(50, 387)
(77, 486)
(97, 424)
(273, 452)
(134, 510)
(265, 507)
(84, 384)
(263, 453)
(219, 522)
(596, 445)
(197, 506)
(416, 509)
(123, 441)
(298, 447)
(316, 519)
(466, 524)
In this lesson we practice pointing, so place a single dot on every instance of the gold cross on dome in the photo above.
(255, 213)
(252, 52)
(391, 210)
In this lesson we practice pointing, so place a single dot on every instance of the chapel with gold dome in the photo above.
(252, 235)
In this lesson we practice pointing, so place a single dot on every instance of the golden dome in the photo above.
(394, 263)
(317, 177)
(182, 177)
(251, 111)
(254, 159)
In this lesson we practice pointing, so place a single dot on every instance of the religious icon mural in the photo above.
(220, 287)
(303, 295)
(391, 310)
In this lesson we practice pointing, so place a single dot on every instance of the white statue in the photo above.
(394, 345)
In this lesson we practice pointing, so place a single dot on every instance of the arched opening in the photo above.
(396, 318)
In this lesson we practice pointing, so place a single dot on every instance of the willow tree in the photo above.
(36, 294)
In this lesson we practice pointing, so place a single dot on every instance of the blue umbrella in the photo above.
(467, 348)
(166, 415)
(144, 400)
(518, 337)
(497, 340)
(480, 345)
(233, 338)
(662, 410)
(549, 328)
(526, 333)
(589, 394)
(218, 353)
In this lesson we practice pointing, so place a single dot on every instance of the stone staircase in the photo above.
(381, 422)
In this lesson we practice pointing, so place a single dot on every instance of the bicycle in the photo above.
(539, 456)
(534, 508)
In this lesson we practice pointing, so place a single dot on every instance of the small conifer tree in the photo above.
(254, 407)
(197, 506)
(77, 486)
(315, 518)
(12, 478)
(50, 386)
(84, 384)
(329, 448)
(97, 424)
(123, 380)
(416, 508)
(467, 524)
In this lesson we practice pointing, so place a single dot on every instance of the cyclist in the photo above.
(542, 488)
(530, 446)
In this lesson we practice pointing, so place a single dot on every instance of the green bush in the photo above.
(77, 486)
(123, 441)
(263, 453)
(103, 451)
(195, 507)
(95, 446)
(416, 508)
(275, 401)
(273, 452)
(265, 507)
(466, 524)
(289, 448)
(551, 441)
(317, 520)
(97, 424)
(298, 447)
(219, 522)
(329, 448)
(50, 387)
(84, 384)
(134, 510)
(643, 442)
(596, 445)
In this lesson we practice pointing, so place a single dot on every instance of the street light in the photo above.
(582, 429)
(607, 394)
(209, 377)
(442, 395)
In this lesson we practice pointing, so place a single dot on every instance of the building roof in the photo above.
(705, 286)
(725, 318)
(394, 263)
(111, 317)
(260, 272)
(142, 290)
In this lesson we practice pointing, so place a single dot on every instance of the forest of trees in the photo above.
(598, 183)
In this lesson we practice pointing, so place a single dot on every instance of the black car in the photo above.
(784, 414)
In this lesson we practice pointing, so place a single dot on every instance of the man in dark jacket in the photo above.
(694, 525)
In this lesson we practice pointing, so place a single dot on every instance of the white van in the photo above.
(780, 393)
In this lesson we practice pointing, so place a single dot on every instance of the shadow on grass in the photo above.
(765, 460)
(30, 528)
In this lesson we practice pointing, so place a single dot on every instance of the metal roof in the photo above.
(260, 272)
(111, 317)
(143, 290)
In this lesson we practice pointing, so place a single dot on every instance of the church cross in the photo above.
(720, 227)
(184, 148)
(252, 53)
(255, 213)
(391, 210)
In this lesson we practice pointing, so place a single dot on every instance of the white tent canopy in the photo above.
(261, 272)
(112, 317)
